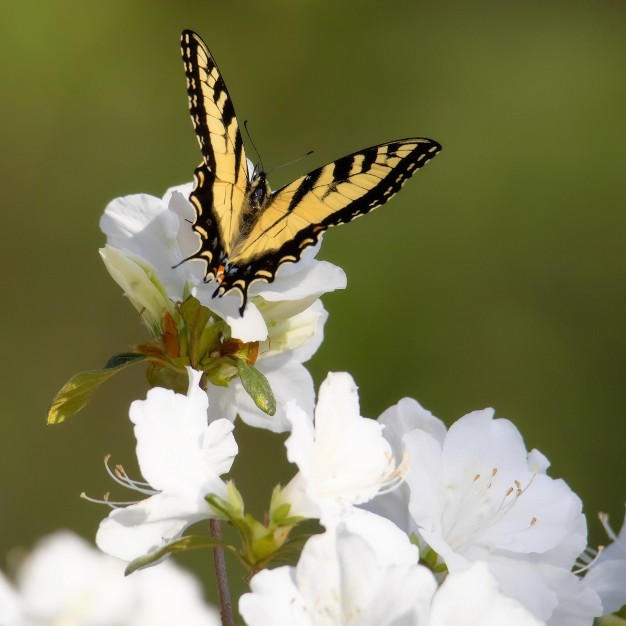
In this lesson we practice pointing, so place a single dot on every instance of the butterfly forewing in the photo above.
(331, 195)
(222, 178)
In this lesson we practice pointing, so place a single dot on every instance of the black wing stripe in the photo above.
(342, 168)
(239, 153)
(388, 186)
(369, 157)
(190, 48)
(306, 185)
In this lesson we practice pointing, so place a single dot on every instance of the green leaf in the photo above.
(123, 359)
(77, 392)
(257, 386)
(196, 317)
(232, 507)
(184, 544)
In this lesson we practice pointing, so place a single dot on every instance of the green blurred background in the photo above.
(496, 278)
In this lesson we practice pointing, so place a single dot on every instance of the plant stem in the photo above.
(226, 607)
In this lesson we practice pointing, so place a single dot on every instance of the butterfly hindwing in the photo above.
(247, 232)
(221, 181)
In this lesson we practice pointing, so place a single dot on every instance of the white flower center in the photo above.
(471, 511)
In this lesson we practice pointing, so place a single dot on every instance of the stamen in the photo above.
(105, 500)
(391, 485)
(604, 520)
(397, 475)
(121, 478)
(475, 509)
(121, 473)
(586, 566)
(530, 482)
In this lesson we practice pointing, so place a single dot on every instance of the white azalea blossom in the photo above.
(477, 495)
(147, 240)
(363, 571)
(182, 457)
(343, 458)
(362, 574)
(66, 581)
(159, 232)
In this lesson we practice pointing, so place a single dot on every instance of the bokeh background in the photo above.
(496, 278)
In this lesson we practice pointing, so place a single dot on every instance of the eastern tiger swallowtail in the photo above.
(247, 231)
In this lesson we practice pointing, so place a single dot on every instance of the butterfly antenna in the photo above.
(245, 125)
(304, 156)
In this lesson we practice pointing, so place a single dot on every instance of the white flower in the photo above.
(159, 232)
(471, 598)
(182, 457)
(147, 240)
(343, 458)
(477, 495)
(362, 572)
(607, 574)
(66, 581)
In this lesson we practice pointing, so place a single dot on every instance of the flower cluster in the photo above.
(282, 326)
(420, 524)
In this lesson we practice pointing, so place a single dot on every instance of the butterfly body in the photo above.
(248, 231)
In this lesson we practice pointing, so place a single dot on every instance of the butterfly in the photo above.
(248, 231)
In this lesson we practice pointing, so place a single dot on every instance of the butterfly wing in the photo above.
(331, 195)
(221, 180)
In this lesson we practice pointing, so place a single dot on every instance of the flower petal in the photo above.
(176, 448)
(472, 598)
(139, 529)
